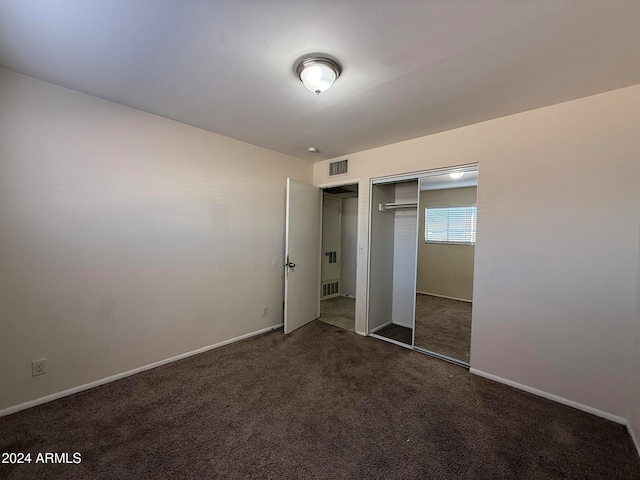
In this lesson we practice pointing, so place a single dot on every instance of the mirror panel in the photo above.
(445, 263)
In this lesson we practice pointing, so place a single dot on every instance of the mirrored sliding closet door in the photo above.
(422, 250)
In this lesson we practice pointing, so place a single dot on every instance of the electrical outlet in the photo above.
(39, 367)
(265, 312)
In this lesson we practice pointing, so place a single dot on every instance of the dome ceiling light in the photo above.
(318, 73)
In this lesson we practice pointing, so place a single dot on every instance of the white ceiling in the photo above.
(410, 67)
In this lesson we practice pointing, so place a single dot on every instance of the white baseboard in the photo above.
(380, 327)
(445, 296)
(555, 398)
(102, 381)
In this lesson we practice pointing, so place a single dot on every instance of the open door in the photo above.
(302, 255)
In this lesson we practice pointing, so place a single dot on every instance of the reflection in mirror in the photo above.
(446, 246)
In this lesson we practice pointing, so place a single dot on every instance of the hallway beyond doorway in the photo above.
(339, 312)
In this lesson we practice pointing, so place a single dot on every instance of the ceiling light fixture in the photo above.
(456, 175)
(318, 73)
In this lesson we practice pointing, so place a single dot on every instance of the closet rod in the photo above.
(395, 206)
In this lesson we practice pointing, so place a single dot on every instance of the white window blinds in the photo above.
(450, 225)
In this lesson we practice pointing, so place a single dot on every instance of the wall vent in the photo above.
(339, 168)
(329, 289)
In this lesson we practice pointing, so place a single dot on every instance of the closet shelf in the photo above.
(383, 207)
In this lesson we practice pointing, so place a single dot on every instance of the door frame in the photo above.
(360, 246)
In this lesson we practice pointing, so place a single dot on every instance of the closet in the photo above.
(393, 254)
(422, 249)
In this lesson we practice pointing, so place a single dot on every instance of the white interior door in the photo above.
(302, 255)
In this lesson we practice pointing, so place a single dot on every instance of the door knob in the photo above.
(290, 264)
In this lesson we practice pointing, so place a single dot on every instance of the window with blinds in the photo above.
(450, 225)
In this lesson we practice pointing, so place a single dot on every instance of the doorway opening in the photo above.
(339, 254)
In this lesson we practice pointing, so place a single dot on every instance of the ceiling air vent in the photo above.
(338, 168)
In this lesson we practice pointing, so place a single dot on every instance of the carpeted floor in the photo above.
(321, 403)
(397, 332)
(443, 326)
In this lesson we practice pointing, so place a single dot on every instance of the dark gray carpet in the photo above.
(397, 333)
(322, 403)
(443, 326)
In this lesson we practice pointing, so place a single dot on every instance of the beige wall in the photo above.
(445, 270)
(126, 238)
(556, 268)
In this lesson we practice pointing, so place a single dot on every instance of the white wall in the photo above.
(557, 252)
(382, 248)
(126, 238)
(348, 246)
(405, 244)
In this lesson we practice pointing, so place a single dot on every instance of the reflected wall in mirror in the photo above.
(446, 248)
